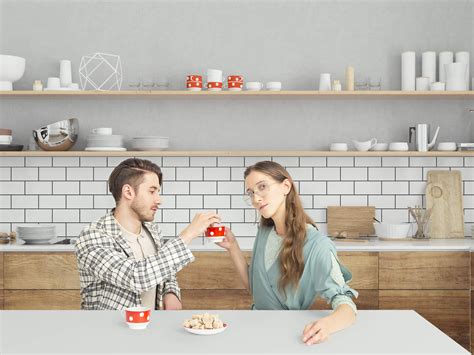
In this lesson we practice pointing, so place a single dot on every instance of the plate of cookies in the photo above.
(204, 324)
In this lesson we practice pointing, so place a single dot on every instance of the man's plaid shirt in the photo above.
(110, 276)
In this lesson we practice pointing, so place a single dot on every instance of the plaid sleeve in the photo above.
(97, 255)
(171, 286)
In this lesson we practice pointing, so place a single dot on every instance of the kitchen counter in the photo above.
(86, 332)
(466, 244)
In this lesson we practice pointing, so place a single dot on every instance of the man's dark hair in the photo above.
(131, 172)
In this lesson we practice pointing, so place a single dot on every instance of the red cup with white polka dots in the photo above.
(194, 82)
(137, 317)
(215, 233)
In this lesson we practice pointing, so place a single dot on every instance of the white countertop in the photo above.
(86, 332)
(466, 244)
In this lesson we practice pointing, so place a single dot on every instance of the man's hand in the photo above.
(171, 302)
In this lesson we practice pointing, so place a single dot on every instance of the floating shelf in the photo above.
(264, 93)
(243, 153)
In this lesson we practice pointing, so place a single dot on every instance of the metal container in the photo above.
(57, 136)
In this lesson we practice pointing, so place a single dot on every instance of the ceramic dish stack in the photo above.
(36, 233)
(150, 143)
(6, 140)
(102, 139)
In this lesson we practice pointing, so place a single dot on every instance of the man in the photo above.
(122, 259)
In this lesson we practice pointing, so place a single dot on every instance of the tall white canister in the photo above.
(463, 57)
(428, 65)
(408, 71)
(444, 58)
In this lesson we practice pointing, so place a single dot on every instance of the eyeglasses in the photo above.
(261, 189)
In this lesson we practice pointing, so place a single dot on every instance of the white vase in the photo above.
(408, 71)
(444, 58)
(463, 57)
(65, 74)
(325, 82)
(428, 65)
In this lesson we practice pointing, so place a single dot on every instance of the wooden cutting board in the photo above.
(444, 197)
(356, 221)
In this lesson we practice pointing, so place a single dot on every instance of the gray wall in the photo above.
(288, 41)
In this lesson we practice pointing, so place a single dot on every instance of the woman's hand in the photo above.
(229, 241)
(316, 332)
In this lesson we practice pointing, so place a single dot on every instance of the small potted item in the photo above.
(215, 233)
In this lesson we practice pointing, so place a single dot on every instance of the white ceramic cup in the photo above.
(273, 85)
(438, 86)
(53, 83)
(338, 147)
(325, 82)
(254, 85)
(214, 75)
(422, 83)
(103, 131)
(447, 146)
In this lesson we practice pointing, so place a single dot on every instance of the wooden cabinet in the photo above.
(424, 270)
(40, 281)
(45, 271)
(211, 282)
(434, 284)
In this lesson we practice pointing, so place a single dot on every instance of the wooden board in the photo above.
(354, 220)
(444, 197)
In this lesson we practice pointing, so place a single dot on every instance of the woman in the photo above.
(292, 261)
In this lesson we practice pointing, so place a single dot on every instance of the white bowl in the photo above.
(379, 147)
(392, 230)
(447, 146)
(398, 146)
(12, 69)
(338, 147)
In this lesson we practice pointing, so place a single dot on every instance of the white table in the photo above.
(249, 332)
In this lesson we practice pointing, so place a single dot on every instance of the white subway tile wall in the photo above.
(71, 192)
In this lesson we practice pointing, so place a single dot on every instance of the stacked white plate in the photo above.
(101, 142)
(150, 143)
(36, 233)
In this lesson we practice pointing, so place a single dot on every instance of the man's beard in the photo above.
(141, 212)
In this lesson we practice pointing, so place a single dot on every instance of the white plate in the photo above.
(206, 331)
(104, 149)
(36, 241)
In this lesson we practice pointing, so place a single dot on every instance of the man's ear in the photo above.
(128, 192)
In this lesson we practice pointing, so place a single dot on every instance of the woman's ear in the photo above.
(286, 184)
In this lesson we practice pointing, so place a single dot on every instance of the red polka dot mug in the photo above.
(137, 317)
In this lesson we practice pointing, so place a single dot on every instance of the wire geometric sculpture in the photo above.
(100, 71)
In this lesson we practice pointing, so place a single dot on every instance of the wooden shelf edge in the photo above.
(285, 93)
(258, 153)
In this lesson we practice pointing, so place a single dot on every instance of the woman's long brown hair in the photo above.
(291, 254)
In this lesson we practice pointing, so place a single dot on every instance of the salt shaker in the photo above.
(37, 85)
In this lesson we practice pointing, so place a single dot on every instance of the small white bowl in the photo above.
(338, 147)
(392, 230)
(398, 146)
(379, 147)
(364, 146)
(447, 146)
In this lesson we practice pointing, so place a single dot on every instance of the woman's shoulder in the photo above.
(318, 242)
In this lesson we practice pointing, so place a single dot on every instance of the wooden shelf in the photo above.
(225, 93)
(243, 153)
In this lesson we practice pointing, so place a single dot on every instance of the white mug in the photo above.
(103, 131)
(54, 83)
(254, 86)
(214, 75)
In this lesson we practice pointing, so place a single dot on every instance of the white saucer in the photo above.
(206, 331)
(137, 325)
(104, 149)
